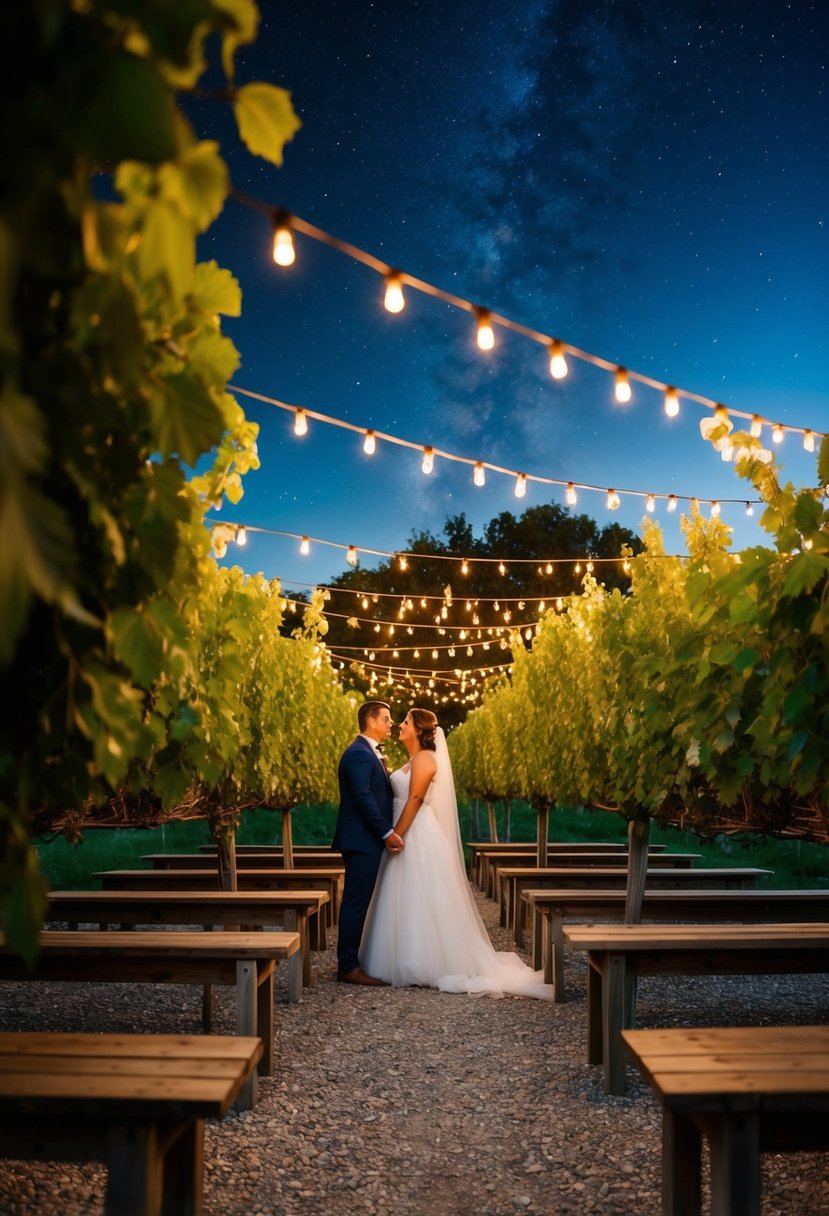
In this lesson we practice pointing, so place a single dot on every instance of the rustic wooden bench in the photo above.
(137, 1102)
(583, 860)
(246, 961)
(304, 849)
(250, 909)
(554, 908)
(269, 879)
(515, 881)
(747, 1090)
(481, 851)
(618, 954)
(245, 859)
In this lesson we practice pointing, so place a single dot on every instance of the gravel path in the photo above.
(411, 1102)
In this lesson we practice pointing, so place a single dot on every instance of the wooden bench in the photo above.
(583, 860)
(553, 908)
(137, 1102)
(269, 879)
(320, 849)
(245, 859)
(515, 881)
(618, 954)
(481, 850)
(245, 960)
(254, 909)
(747, 1090)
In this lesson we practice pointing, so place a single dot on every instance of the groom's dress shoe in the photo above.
(358, 976)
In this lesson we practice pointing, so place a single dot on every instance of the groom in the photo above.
(364, 828)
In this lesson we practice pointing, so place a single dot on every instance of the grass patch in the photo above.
(67, 866)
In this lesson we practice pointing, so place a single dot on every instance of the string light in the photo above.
(403, 562)
(351, 556)
(756, 428)
(613, 500)
(501, 570)
(558, 363)
(485, 335)
(715, 509)
(521, 485)
(672, 501)
(777, 433)
(241, 535)
(464, 566)
(622, 389)
(284, 253)
(570, 495)
(650, 503)
(548, 569)
(300, 422)
(749, 509)
(370, 443)
(808, 441)
(450, 456)
(671, 402)
(428, 460)
(368, 259)
(478, 474)
(304, 546)
(393, 300)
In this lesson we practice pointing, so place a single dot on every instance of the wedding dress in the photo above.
(423, 927)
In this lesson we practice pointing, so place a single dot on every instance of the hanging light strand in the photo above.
(429, 454)
(492, 319)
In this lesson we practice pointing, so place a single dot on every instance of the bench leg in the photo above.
(734, 1144)
(594, 1014)
(183, 1171)
(537, 955)
(681, 1165)
(265, 993)
(295, 978)
(555, 954)
(614, 990)
(135, 1171)
(247, 1003)
(305, 949)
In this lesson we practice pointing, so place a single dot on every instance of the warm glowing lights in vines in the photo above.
(521, 485)
(808, 441)
(777, 433)
(284, 253)
(428, 462)
(622, 390)
(478, 474)
(300, 422)
(370, 443)
(304, 546)
(558, 362)
(671, 402)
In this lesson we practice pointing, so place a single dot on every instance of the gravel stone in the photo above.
(410, 1101)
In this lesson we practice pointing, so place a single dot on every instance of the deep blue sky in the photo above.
(648, 182)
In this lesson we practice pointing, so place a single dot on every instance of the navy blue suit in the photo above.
(364, 819)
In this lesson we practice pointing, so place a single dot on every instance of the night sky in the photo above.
(648, 182)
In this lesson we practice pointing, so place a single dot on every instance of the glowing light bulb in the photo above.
(749, 508)
(478, 474)
(304, 546)
(241, 535)
(715, 509)
(695, 506)
(501, 570)
(578, 567)
(542, 608)
(613, 500)
(284, 253)
(808, 441)
(589, 567)
(622, 389)
(558, 363)
(435, 654)
(672, 502)
(394, 300)
(559, 604)
(485, 333)
(364, 602)
(650, 503)
(777, 433)
(402, 562)
(548, 569)
(428, 460)
(521, 485)
(370, 443)
(756, 427)
(351, 556)
(464, 566)
(300, 423)
(570, 495)
(671, 402)
(726, 450)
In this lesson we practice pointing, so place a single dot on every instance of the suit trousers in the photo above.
(360, 877)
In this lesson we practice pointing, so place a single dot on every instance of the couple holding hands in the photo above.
(408, 917)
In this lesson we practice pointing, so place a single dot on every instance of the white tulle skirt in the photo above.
(423, 927)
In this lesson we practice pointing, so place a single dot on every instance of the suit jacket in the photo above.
(365, 814)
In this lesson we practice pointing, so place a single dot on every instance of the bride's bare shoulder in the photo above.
(424, 762)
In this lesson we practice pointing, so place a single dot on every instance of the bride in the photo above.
(423, 927)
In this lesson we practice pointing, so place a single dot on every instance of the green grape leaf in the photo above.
(215, 290)
(168, 248)
(805, 572)
(266, 120)
(131, 115)
(186, 421)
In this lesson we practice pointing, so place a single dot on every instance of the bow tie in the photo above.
(381, 747)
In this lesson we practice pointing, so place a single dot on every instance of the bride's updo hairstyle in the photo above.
(425, 724)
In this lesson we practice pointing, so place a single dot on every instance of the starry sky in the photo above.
(647, 182)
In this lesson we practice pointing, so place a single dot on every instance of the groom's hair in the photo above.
(370, 709)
